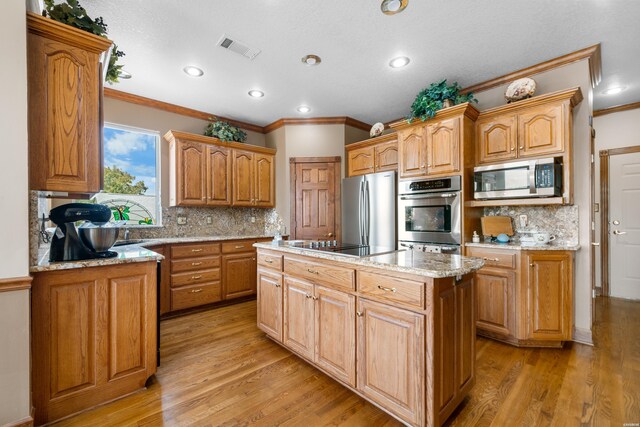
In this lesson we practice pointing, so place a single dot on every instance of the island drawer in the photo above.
(504, 258)
(391, 288)
(238, 246)
(195, 250)
(269, 260)
(182, 279)
(193, 264)
(331, 275)
(196, 295)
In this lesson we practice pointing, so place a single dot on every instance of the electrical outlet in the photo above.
(253, 219)
(524, 220)
(182, 220)
(209, 220)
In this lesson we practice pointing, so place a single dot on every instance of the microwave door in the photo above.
(501, 181)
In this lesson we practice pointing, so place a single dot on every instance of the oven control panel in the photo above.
(430, 185)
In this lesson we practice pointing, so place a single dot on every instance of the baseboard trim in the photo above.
(25, 422)
(583, 336)
(15, 283)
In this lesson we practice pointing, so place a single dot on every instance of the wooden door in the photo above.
(264, 187)
(443, 147)
(495, 301)
(386, 156)
(361, 161)
(412, 150)
(239, 275)
(270, 303)
(191, 170)
(540, 131)
(243, 178)
(335, 333)
(390, 359)
(496, 139)
(218, 176)
(549, 279)
(299, 317)
(315, 198)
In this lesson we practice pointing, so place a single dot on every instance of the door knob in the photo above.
(616, 222)
(619, 233)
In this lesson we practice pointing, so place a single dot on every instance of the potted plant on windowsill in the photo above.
(224, 131)
(435, 97)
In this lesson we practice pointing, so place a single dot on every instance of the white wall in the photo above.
(14, 252)
(568, 76)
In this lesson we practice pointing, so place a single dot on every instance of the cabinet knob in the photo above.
(277, 285)
(422, 167)
(253, 259)
(330, 235)
(359, 313)
(268, 261)
(314, 298)
(521, 148)
(196, 250)
(196, 277)
(532, 265)
(428, 166)
(513, 148)
(195, 291)
(195, 264)
(307, 296)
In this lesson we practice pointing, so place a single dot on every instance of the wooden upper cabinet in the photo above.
(541, 131)
(412, 152)
(64, 106)
(373, 155)
(191, 174)
(497, 139)
(443, 146)
(243, 178)
(361, 161)
(265, 192)
(386, 155)
(218, 177)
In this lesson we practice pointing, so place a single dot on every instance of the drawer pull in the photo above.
(312, 271)
(491, 259)
(268, 261)
(196, 250)
(194, 264)
(196, 277)
(386, 289)
(239, 246)
(195, 291)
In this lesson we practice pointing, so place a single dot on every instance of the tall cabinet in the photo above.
(64, 106)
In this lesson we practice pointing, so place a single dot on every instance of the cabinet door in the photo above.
(465, 333)
(64, 117)
(270, 303)
(239, 275)
(361, 161)
(391, 359)
(191, 169)
(218, 175)
(265, 191)
(299, 317)
(386, 155)
(443, 147)
(550, 286)
(412, 149)
(496, 139)
(495, 301)
(243, 178)
(335, 333)
(540, 131)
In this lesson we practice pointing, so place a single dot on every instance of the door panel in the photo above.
(624, 206)
(386, 156)
(191, 174)
(443, 153)
(315, 204)
(540, 131)
(270, 303)
(361, 161)
(497, 139)
(412, 149)
(265, 192)
(495, 301)
(218, 176)
(298, 317)
(243, 182)
(239, 272)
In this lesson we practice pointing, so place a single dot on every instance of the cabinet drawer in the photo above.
(270, 261)
(503, 258)
(327, 274)
(194, 264)
(195, 250)
(193, 296)
(239, 246)
(193, 277)
(391, 288)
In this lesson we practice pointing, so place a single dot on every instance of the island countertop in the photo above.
(418, 263)
(126, 254)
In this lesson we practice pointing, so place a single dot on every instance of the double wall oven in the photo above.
(429, 215)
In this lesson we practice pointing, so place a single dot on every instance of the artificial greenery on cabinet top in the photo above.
(224, 131)
(431, 99)
(71, 13)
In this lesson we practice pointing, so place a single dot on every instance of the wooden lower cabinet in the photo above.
(496, 302)
(94, 336)
(270, 302)
(239, 275)
(298, 316)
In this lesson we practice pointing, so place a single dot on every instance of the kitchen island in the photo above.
(398, 329)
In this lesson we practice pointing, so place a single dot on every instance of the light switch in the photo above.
(524, 220)
(209, 220)
(253, 219)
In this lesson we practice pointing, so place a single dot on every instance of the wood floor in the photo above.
(218, 369)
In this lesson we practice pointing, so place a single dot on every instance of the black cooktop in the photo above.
(351, 249)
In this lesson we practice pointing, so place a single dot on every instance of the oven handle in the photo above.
(428, 196)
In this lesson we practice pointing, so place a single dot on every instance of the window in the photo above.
(131, 175)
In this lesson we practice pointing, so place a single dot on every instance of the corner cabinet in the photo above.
(205, 171)
(64, 106)
(378, 154)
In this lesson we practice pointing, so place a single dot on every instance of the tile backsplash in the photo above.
(561, 221)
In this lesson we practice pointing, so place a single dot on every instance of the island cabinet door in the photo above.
(391, 370)
(299, 317)
(270, 303)
(335, 333)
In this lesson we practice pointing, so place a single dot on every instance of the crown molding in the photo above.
(347, 121)
(54, 30)
(616, 109)
(466, 109)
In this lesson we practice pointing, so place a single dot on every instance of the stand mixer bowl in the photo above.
(98, 239)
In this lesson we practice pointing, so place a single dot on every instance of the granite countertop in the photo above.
(525, 246)
(413, 262)
(126, 254)
(198, 239)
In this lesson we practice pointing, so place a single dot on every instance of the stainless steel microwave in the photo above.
(530, 178)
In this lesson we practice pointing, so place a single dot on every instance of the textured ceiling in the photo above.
(466, 41)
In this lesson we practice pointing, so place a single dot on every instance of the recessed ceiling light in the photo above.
(124, 75)
(303, 109)
(391, 7)
(193, 71)
(399, 62)
(255, 93)
(311, 60)
(614, 90)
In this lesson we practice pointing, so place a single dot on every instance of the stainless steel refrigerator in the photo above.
(369, 210)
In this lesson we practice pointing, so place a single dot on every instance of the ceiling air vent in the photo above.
(238, 47)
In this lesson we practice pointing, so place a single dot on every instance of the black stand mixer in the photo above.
(67, 245)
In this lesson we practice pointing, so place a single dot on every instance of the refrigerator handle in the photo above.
(360, 213)
(368, 213)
